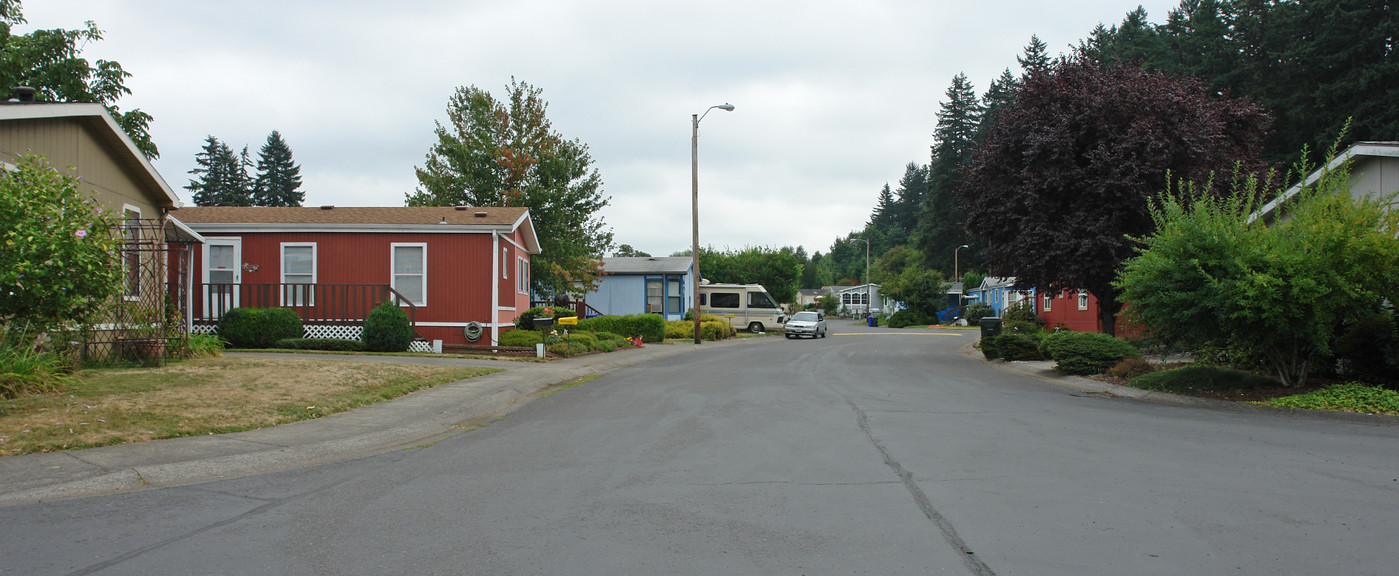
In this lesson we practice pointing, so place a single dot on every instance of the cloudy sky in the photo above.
(832, 99)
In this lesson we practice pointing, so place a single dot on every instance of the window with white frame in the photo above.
(504, 263)
(298, 273)
(1047, 300)
(522, 275)
(409, 265)
(1082, 299)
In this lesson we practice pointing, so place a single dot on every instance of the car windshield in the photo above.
(805, 317)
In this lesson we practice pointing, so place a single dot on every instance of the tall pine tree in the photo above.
(942, 222)
(278, 181)
(220, 176)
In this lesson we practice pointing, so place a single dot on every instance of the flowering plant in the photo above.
(59, 252)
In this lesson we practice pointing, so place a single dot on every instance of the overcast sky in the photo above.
(832, 99)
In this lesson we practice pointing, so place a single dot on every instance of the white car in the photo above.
(805, 324)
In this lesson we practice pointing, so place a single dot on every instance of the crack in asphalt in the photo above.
(949, 532)
(268, 504)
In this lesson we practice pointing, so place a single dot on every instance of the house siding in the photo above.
(71, 146)
(457, 288)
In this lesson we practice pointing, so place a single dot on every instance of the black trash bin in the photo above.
(990, 327)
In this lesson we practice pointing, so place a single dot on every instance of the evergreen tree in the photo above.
(278, 179)
(885, 212)
(942, 221)
(997, 97)
(220, 177)
(909, 198)
(1036, 58)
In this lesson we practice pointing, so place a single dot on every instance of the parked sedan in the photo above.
(806, 324)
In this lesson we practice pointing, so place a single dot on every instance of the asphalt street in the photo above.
(873, 451)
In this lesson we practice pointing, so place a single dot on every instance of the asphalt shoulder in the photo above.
(419, 417)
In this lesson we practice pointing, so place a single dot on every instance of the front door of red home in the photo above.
(222, 275)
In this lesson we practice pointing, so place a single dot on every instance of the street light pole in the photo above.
(694, 206)
(867, 275)
(957, 271)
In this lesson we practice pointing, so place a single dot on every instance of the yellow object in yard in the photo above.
(568, 320)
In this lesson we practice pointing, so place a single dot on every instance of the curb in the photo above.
(1047, 374)
(423, 416)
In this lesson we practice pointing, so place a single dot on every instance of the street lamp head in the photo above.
(726, 107)
(964, 246)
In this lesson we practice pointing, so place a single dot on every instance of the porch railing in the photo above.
(330, 304)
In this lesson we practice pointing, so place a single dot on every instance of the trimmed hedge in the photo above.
(711, 328)
(387, 329)
(259, 327)
(525, 321)
(1014, 346)
(650, 327)
(586, 338)
(905, 318)
(1086, 352)
(334, 344)
(521, 338)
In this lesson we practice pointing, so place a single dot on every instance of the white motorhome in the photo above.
(743, 305)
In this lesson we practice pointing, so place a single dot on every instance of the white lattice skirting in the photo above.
(345, 332)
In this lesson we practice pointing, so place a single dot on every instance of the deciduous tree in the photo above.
(1066, 174)
(51, 62)
(1209, 275)
(506, 153)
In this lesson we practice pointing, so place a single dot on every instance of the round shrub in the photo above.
(584, 338)
(520, 338)
(1017, 346)
(238, 326)
(977, 311)
(906, 318)
(525, 321)
(1086, 352)
(259, 327)
(387, 329)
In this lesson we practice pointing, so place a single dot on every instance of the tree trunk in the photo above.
(1108, 308)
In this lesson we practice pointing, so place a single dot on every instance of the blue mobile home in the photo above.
(999, 293)
(640, 285)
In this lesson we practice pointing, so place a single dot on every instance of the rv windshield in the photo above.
(760, 300)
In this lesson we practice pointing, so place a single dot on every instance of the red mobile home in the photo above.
(1076, 310)
(458, 271)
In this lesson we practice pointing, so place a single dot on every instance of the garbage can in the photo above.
(990, 327)
(873, 321)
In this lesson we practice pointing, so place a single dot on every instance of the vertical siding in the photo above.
(458, 269)
(70, 145)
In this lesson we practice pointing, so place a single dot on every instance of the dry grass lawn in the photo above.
(204, 396)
